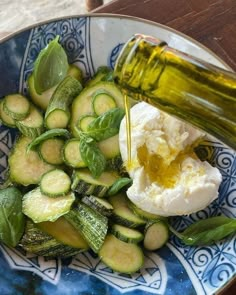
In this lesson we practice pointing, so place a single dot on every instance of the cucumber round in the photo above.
(55, 183)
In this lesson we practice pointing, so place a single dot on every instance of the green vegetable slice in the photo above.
(40, 207)
(55, 183)
(57, 132)
(120, 256)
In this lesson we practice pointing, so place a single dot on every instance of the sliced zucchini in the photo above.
(110, 147)
(82, 104)
(47, 135)
(65, 232)
(102, 102)
(122, 213)
(101, 73)
(41, 100)
(156, 235)
(92, 225)
(120, 256)
(75, 72)
(115, 164)
(16, 106)
(40, 207)
(26, 167)
(6, 119)
(55, 183)
(72, 155)
(51, 151)
(84, 122)
(98, 204)
(41, 243)
(83, 182)
(125, 234)
(144, 214)
(58, 113)
(32, 125)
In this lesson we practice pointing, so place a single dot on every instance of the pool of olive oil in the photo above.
(181, 85)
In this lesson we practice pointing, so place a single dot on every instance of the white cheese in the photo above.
(196, 184)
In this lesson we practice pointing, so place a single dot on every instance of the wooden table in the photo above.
(211, 22)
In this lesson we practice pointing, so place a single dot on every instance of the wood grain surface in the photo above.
(211, 22)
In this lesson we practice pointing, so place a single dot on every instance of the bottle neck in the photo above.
(140, 57)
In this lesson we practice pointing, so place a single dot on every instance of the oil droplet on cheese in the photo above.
(160, 169)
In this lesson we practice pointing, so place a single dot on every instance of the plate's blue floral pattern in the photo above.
(175, 269)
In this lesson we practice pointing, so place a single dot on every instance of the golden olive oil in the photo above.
(189, 88)
(128, 129)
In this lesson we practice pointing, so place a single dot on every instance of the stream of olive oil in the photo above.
(128, 128)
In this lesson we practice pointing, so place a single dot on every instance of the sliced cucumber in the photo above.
(41, 243)
(32, 125)
(65, 232)
(51, 151)
(115, 164)
(83, 182)
(16, 106)
(144, 214)
(92, 225)
(98, 204)
(41, 100)
(110, 147)
(120, 256)
(40, 207)
(122, 213)
(156, 235)
(5, 118)
(26, 167)
(75, 72)
(82, 104)
(47, 135)
(125, 234)
(55, 183)
(72, 155)
(102, 102)
(84, 121)
(58, 113)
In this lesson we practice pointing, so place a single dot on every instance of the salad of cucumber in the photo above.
(65, 190)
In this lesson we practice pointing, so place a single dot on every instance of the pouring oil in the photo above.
(191, 89)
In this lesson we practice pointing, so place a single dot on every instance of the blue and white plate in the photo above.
(91, 41)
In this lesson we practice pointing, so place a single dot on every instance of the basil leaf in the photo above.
(92, 156)
(50, 67)
(207, 231)
(118, 185)
(57, 132)
(12, 220)
(106, 125)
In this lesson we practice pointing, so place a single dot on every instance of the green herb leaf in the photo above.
(106, 125)
(12, 220)
(118, 185)
(50, 67)
(57, 132)
(207, 231)
(92, 156)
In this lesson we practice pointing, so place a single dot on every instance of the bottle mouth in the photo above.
(135, 58)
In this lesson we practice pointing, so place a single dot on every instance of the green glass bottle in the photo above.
(182, 85)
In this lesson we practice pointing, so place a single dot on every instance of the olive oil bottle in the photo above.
(182, 85)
